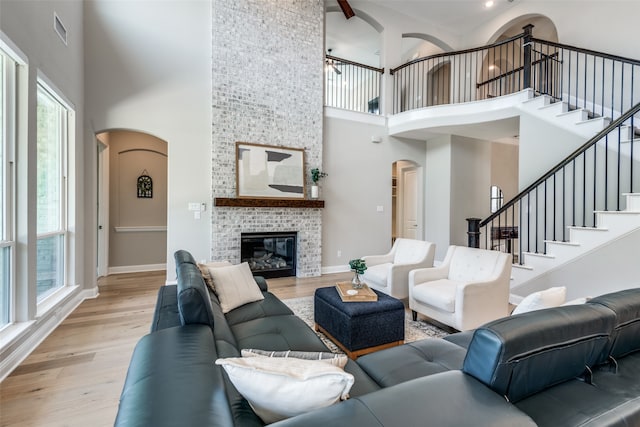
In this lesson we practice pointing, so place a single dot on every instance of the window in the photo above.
(52, 138)
(497, 198)
(7, 131)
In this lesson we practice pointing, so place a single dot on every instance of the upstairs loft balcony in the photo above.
(598, 82)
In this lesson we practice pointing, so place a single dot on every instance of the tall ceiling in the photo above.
(358, 41)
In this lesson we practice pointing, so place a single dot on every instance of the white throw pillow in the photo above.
(278, 388)
(235, 286)
(552, 297)
(339, 360)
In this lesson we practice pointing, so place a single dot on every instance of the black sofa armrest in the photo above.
(262, 283)
(172, 381)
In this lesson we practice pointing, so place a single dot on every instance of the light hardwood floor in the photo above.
(74, 378)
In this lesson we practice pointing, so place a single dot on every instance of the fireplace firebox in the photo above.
(269, 254)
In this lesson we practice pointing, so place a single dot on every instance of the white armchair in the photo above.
(469, 288)
(389, 273)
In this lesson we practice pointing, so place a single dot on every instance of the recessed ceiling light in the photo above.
(488, 4)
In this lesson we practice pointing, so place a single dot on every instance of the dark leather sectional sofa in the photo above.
(567, 366)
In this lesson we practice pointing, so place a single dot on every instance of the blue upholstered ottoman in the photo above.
(359, 327)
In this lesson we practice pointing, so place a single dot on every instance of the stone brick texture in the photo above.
(267, 59)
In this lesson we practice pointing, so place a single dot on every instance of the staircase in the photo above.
(586, 202)
(610, 226)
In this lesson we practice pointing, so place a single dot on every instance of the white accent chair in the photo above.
(389, 273)
(469, 288)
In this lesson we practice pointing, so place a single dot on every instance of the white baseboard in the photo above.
(136, 268)
(38, 330)
(334, 269)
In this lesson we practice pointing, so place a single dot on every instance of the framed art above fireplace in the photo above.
(268, 171)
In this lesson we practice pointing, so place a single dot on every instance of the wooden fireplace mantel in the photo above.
(267, 203)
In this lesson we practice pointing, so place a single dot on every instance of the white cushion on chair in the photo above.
(472, 266)
(378, 274)
(440, 294)
(409, 251)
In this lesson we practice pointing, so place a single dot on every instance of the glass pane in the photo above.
(3, 190)
(50, 264)
(49, 136)
(5, 285)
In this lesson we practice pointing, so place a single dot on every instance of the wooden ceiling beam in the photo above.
(346, 9)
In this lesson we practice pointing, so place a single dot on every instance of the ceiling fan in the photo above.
(331, 63)
(346, 9)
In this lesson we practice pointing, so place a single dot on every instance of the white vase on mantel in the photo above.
(315, 192)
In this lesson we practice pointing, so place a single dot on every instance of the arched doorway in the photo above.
(407, 201)
(132, 202)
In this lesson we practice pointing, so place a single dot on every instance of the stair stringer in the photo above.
(577, 120)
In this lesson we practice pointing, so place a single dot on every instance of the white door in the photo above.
(410, 211)
(102, 251)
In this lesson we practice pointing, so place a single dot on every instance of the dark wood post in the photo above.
(526, 45)
(473, 231)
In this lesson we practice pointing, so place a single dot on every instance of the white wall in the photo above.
(359, 181)
(542, 146)
(470, 182)
(148, 68)
(438, 188)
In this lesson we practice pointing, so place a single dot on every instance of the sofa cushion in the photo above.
(235, 286)
(520, 355)
(552, 297)
(446, 399)
(277, 333)
(417, 359)
(440, 294)
(269, 306)
(279, 388)
(626, 305)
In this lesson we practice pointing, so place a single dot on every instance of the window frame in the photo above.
(44, 300)
(8, 104)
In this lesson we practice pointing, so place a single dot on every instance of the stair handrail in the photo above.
(580, 150)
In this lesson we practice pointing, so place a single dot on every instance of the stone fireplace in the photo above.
(256, 99)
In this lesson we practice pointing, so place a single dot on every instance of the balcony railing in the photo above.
(606, 85)
(352, 86)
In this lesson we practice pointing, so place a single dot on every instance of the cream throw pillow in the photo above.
(278, 388)
(204, 270)
(552, 297)
(339, 360)
(235, 286)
